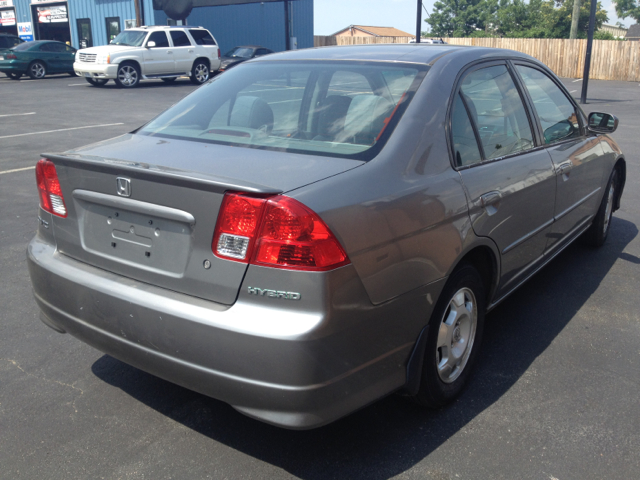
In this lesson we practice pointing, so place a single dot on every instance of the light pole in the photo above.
(587, 57)
(419, 22)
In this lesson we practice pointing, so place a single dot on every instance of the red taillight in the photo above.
(11, 56)
(277, 232)
(51, 198)
(219, 53)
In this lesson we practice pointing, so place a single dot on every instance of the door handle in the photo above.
(564, 168)
(191, 51)
(490, 198)
(489, 201)
(169, 52)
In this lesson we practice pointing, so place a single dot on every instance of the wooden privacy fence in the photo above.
(610, 60)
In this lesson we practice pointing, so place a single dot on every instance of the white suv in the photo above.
(151, 52)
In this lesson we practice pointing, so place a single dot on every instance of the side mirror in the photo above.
(151, 44)
(602, 122)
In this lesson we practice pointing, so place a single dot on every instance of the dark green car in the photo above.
(37, 59)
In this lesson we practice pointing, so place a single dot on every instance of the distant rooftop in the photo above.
(359, 30)
(634, 32)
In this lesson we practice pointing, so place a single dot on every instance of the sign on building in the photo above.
(54, 14)
(8, 18)
(25, 31)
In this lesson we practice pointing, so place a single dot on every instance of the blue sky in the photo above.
(333, 15)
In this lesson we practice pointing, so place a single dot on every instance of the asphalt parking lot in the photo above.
(555, 396)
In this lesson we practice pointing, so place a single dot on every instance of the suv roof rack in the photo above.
(169, 26)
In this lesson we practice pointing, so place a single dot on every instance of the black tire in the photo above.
(169, 79)
(458, 342)
(597, 233)
(14, 76)
(128, 75)
(200, 72)
(73, 74)
(97, 82)
(37, 70)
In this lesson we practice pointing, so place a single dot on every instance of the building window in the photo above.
(113, 28)
(85, 38)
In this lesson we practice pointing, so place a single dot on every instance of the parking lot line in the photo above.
(18, 114)
(17, 170)
(61, 130)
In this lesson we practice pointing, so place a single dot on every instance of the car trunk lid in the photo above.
(146, 208)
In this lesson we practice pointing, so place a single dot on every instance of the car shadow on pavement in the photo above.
(392, 435)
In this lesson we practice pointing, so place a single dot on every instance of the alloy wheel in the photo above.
(37, 70)
(609, 208)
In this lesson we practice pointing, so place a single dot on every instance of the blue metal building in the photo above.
(96, 22)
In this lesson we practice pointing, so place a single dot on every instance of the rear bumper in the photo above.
(12, 66)
(92, 70)
(296, 366)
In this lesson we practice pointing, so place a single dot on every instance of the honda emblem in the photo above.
(123, 187)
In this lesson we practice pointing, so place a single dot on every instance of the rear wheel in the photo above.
(37, 70)
(14, 76)
(97, 82)
(128, 76)
(200, 72)
(453, 340)
(597, 233)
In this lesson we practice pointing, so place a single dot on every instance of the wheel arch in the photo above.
(135, 62)
(483, 256)
(204, 59)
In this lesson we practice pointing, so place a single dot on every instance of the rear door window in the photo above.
(180, 39)
(465, 145)
(202, 37)
(557, 114)
(496, 108)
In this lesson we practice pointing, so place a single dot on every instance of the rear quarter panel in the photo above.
(402, 217)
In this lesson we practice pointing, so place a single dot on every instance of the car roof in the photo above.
(394, 52)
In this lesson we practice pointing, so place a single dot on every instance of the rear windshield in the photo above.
(202, 37)
(239, 52)
(24, 46)
(343, 109)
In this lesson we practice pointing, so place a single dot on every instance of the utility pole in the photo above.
(419, 22)
(287, 35)
(587, 58)
(575, 16)
(138, 19)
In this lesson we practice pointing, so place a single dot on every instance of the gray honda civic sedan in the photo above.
(316, 229)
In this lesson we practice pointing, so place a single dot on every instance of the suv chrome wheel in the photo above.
(128, 76)
(200, 73)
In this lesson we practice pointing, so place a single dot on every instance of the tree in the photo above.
(557, 21)
(628, 8)
(512, 18)
(460, 18)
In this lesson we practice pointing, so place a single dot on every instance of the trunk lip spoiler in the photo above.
(146, 171)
